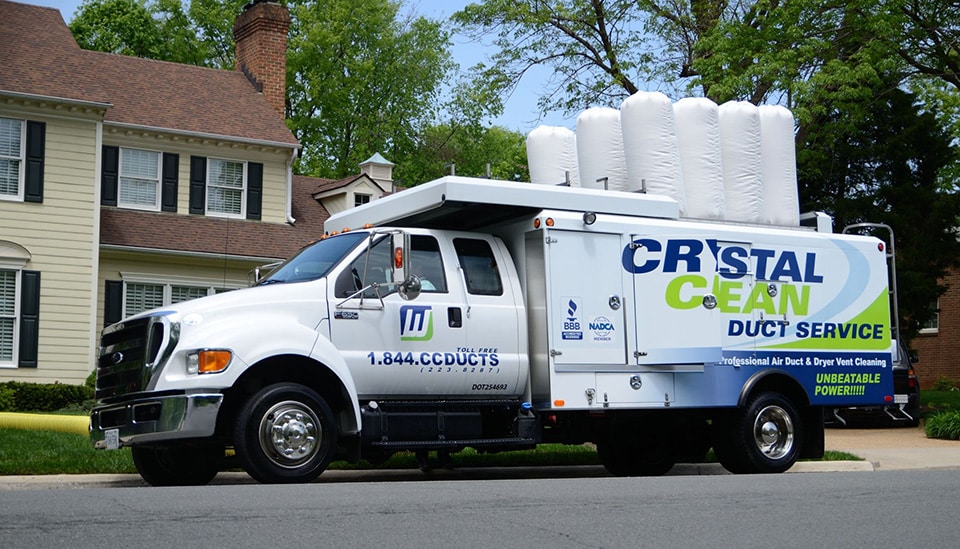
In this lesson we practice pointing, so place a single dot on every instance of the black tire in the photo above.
(763, 437)
(634, 456)
(177, 465)
(285, 434)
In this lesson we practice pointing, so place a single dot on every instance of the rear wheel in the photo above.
(285, 434)
(177, 465)
(763, 437)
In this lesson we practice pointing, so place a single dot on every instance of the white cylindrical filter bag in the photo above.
(552, 155)
(650, 146)
(600, 149)
(740, 157)
(781, 203)
(698, 139)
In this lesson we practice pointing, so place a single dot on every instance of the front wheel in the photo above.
(177, 465)
(285, 434)
(763, 437)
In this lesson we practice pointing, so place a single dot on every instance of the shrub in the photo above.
(18, 396)
(943, 425)
(944, 384)
(7, 398)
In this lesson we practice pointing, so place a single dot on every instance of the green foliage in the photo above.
(160, 29)
(944, 425)
(18, 396)
(873, 156)
(361, 79)
(29, 452)
(8, 400)
(596, 50)
(940, 399)
(944, 383)
(469, 150)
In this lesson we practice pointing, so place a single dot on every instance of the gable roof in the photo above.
(324, 186)
(41, 58)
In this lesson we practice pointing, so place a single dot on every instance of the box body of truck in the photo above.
(476, 313)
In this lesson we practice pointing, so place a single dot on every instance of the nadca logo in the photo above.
(416, 323)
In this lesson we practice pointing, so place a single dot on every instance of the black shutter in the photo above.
(254, 189)
(168, 182)
(112, 302)
(109, 175)
(198, 184)
(36, 140)
(29, 318)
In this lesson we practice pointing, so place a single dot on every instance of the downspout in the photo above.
(293, 155)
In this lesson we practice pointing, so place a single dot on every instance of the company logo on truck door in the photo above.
(416, 323)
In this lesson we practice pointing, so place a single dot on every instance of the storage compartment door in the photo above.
(585, 286)
(671, 279)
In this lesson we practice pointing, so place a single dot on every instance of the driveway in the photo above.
(896, 448)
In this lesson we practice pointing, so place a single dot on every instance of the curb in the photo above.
(45, 422)
(229, 478)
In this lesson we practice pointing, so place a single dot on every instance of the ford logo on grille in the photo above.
(116, 358)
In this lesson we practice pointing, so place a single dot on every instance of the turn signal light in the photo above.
(559, 403)
(208, 361)
(398, 258)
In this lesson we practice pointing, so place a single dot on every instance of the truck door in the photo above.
(676, 325)
(397, 348)
(586, 314)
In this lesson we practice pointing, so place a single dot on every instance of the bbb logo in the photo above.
(416, 323)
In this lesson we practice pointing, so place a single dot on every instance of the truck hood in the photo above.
(306, 301)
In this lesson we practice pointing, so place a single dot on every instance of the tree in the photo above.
(118, 26)
(886, 167)
(361, 79)
(469, 151)
(160, 29)
(595, 47)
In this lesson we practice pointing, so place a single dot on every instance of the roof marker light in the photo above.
(549, 222)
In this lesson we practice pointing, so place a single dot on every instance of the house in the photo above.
(128, 183)
(938, 343)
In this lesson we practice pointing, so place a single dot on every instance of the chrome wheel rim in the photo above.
(290, 433)
(773, 432)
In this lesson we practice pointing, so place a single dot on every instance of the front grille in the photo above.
(129, 353)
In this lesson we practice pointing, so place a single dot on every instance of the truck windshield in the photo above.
(316, 260)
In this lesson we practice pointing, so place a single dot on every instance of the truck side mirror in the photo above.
(410, 288)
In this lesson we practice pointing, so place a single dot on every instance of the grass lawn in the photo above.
(30, 452)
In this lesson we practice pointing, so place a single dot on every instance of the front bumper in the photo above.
(155, 418)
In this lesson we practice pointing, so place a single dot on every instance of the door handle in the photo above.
(454, 317)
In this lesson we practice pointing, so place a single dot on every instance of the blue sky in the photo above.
(520, 112)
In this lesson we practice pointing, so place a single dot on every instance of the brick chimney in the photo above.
(260, 35)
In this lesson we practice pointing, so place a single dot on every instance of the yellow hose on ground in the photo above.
(45, 422)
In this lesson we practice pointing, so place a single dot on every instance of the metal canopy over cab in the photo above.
(466, 203)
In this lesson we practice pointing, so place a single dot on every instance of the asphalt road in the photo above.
(837, 510)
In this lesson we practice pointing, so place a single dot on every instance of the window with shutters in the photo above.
(226, 188)
(142, 293)
(139, 172)
(9, 311)
(12, 139)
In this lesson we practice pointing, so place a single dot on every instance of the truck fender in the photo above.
(793, 387)
(325, 353)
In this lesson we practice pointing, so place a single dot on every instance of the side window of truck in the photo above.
(426, 262)
(479, 266)
(364, 271)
